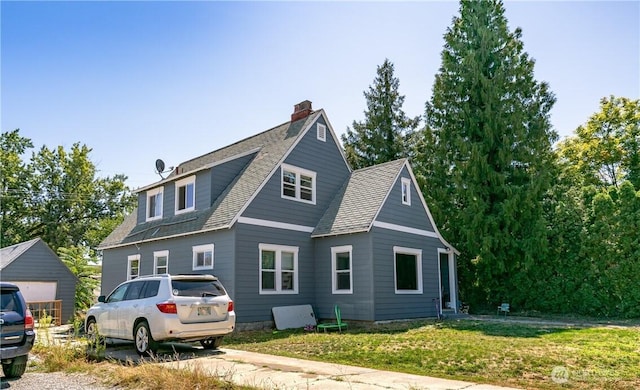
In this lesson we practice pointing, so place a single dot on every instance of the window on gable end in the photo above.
(298, 184)
(185, 195)
(406, 191)
(154, 204)
(322, 132)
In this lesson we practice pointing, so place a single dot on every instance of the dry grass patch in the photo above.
(72, 356)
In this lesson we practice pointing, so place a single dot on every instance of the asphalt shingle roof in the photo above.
(271, 146)
(360, 199)
(10, 253)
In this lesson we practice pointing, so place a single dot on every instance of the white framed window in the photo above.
(133, 266)
(406, 191)
(341, 269)
(407, 270)
(202, 257)
(322, 132)
(154, 203)
(298, 184)
(186, 194)
(161, 262)
(278, 269)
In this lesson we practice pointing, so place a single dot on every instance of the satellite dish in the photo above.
(159, 166)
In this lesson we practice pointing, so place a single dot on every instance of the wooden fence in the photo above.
(43, 309)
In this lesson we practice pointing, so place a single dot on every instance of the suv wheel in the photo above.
(211, 343)
(143, 340)
(16, 368)
(91, 331)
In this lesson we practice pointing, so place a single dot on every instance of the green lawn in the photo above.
(502, 353)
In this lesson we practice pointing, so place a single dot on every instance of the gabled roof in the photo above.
(360, 200)
(355, 207)
(270, 148)
(10, 253)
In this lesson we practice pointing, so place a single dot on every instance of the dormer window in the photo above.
(406, 191)
(298, 184)
(322, 132)
(186, 195)
(154, 204)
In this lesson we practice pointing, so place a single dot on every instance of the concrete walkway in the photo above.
(282, 373)
(272, 372)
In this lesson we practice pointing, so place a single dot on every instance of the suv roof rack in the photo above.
(187, 276)
(179, 276)
(152, 276)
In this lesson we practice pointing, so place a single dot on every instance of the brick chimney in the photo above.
(301, 110)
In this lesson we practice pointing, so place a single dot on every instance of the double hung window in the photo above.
(161, 262)
(298, 184)
(154, 204)
(341, 267)
(185, 195)
(278, 269)
(133, 266)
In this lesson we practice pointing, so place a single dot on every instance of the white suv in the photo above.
(163, 308)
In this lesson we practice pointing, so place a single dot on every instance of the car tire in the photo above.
(142, 339)
(16, 368)
(211, 343)
(91, 331)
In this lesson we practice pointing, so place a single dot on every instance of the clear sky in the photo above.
(137, 81)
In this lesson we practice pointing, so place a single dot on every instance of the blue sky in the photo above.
(137, 81)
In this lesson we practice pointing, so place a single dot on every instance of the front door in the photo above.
(444, 280)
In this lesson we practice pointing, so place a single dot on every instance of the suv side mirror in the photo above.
(101, 298)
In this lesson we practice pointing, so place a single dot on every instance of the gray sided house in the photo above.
(41, 275)
(282, 220)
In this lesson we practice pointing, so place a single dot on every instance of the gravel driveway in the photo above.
(53, 381)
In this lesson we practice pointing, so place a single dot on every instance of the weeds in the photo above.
(153, 376)
(87, 355)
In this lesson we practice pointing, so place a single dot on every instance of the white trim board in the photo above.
(405, 229)
(276, 225)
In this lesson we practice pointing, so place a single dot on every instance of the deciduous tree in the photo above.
(606, 150)
(14, 175)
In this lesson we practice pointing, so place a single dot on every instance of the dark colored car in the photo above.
(16, 331)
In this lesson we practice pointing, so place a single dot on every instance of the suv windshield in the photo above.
(197, 288)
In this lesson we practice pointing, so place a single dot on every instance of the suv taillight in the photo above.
(230, 306)
(167, 307)
(28, 320)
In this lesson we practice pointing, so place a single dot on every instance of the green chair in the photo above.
(334, 325)
(504, 308)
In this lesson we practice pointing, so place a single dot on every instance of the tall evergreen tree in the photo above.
(383, 134)
(486, 155)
